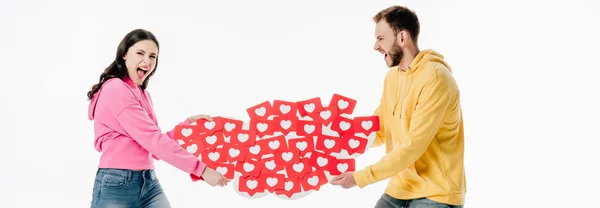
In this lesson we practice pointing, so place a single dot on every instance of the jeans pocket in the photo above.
(113, 181)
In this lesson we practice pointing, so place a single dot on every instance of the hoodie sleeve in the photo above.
(425, 123)
(135, 122)
(379, 135)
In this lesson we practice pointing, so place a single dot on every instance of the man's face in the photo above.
(386, 43)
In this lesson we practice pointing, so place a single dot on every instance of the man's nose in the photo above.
(376, 47)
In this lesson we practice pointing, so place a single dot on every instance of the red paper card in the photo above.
(298, 170)
(195, 146)
(217, 156)
(291, 187)
(314, 180)
(235, 153)
(186, 132)
(262, 127)
(261, 111)
(310, 106)
(321, 161)
(243, 137)
(255, 152)
(340, 166)
(273, 144)
(250, 185)
(213, 141)
(231, 126)
(287, 157)
(366, 124)
(308, 128)
(304, 145)
(355, 145)
(248, 168)
(344, 126)
(270, 165)
(326, 116)
(329, 144)
(285, 124)
(342, 104)
(273, 182)
(210, 126)
(285, 108)
(226, 170)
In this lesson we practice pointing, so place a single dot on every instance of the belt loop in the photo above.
(129, 175)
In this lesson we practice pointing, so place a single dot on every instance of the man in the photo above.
(421, 122)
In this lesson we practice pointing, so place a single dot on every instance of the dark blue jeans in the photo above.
(386, 201)
(127, 188)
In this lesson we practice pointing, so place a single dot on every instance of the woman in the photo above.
(127, 132)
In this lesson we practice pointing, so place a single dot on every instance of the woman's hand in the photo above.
(198, 117)
(214, 178)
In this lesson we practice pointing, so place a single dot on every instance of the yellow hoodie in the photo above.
(422, 129)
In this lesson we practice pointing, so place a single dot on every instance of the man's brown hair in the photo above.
(400, 18)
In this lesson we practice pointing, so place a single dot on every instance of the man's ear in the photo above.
(402, 37)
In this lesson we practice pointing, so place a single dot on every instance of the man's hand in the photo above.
(198, 117)
(214, 178)
(345, 180)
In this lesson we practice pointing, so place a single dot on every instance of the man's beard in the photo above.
(395, 55)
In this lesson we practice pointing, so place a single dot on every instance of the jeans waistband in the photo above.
(129, 174)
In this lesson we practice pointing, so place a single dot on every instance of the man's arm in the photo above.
(425, 123)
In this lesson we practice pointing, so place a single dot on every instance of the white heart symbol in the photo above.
(284, 108)
(255, 149)
(214, 156)
(272, 181)
(309, 107)
(248, 167)
(366, 125)
(209, 125)
(229, 126)
(285, 124)
(342, 167)
(298, 167)
(344, 125)
(192, 148)
(243, 137)
(270, 165)
(274, 144)
(322, 161)
(329, 143)
(313, 181)
(222, 170)
(262, 127)
(325, 114)
(289, 185)
(287, 156)
(251, 184)
(301, 145)
(260, 111)
(181, 142)
(309, 128)
(234, 152)
(353, 143)
(342, 104)
(186, 132)
(211, 139)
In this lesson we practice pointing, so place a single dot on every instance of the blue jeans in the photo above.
(115, 188)
(386, 201)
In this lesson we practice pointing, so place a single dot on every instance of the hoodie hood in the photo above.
(426, 57)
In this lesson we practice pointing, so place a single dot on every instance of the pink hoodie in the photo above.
(127, 131)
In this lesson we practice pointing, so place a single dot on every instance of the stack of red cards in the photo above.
(287, 148)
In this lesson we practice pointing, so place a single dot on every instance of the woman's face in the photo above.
(141, 60)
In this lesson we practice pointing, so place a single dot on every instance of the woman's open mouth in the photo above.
(141, 73)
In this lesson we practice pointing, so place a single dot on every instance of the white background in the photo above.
(526, 69)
